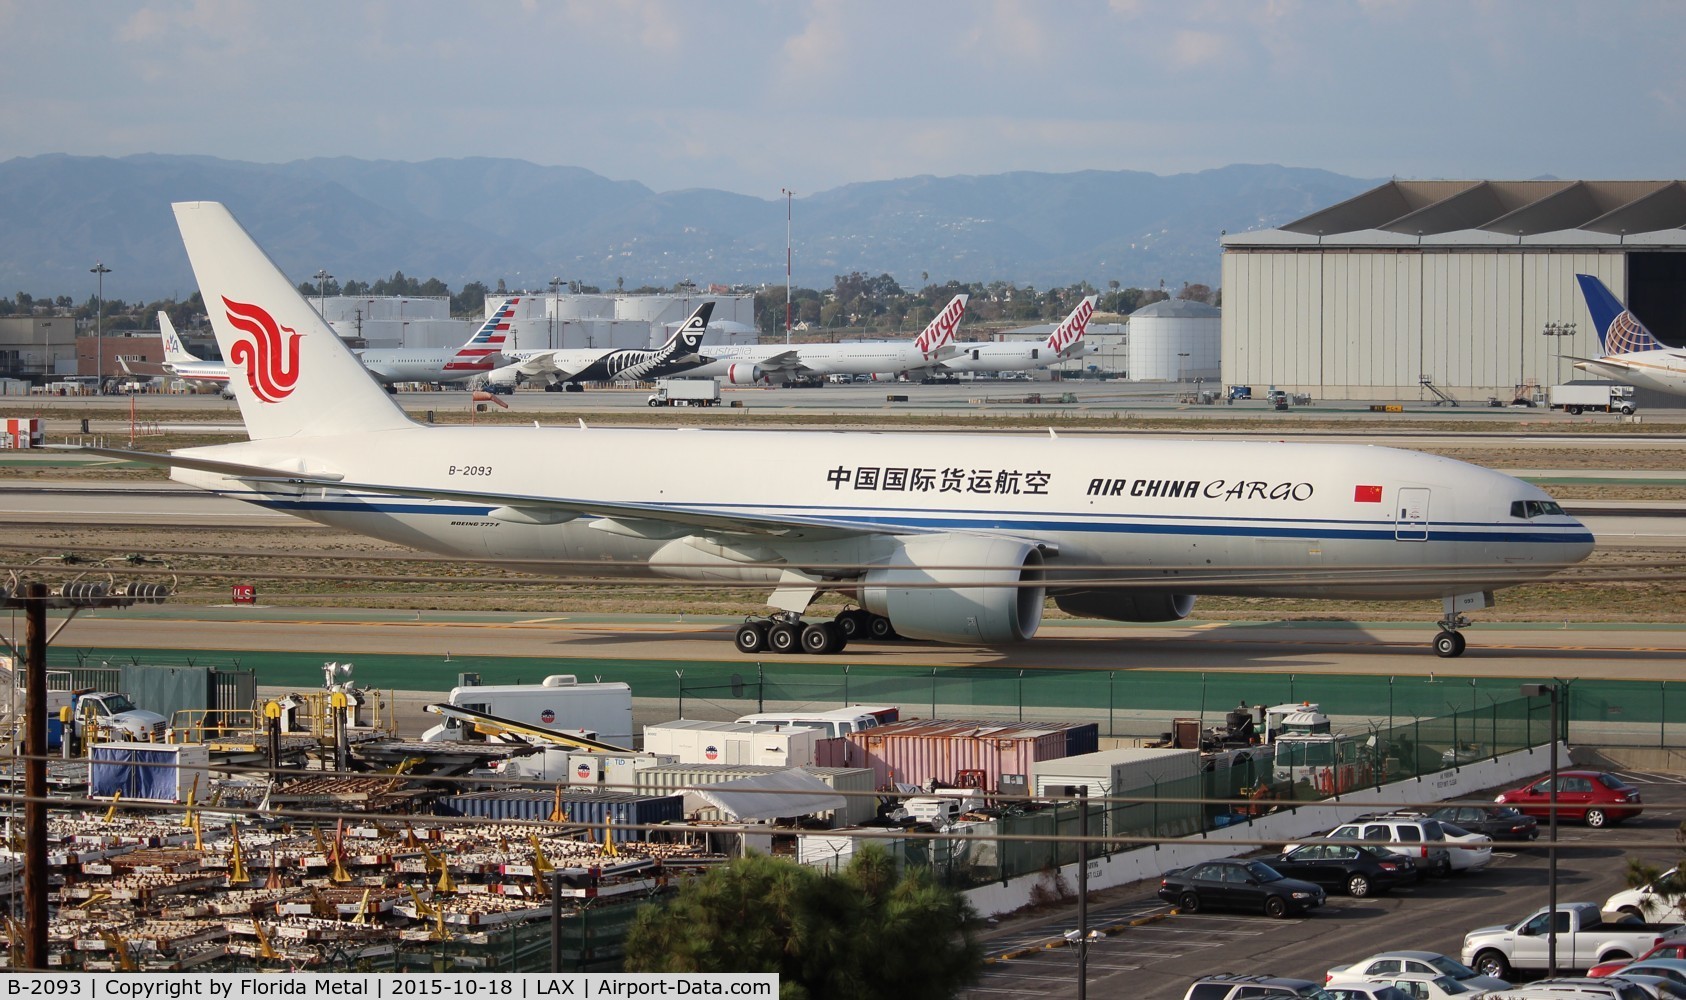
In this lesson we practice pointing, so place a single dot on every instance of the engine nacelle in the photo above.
(507, 375)
(741, 374)
(1122, 605)
(959, 588)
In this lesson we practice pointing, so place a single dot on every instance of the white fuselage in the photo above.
(856, 358)
(419, 364)
(1663, 370)
(1283, 519)
(1007, 357)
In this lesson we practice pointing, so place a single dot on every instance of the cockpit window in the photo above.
(1534, 508)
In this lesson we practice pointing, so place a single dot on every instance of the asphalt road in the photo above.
(1159, 959)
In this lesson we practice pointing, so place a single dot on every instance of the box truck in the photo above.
(1600, 397)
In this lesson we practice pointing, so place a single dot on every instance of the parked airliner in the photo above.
(1631, 354)
(1065, 343)
(568, 367)
(939, 536)
(387, 365)
(748, 364)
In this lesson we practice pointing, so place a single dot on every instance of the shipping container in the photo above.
(592, 808)
(155, 772)
(988, 754)
(1136, 773)
(732, 743)
(673, 778)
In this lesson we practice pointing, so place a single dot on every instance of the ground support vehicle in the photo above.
(686, 392)
(1583, 940)
(1592, 397)
(106, 713)
(560, 703)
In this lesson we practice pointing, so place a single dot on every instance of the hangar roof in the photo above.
(1492, 213)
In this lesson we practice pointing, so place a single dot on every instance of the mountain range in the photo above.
(486, 219)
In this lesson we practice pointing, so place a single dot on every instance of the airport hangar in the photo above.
(1462, 283)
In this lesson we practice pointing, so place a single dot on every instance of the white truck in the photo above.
(686, 392)
(113, 716)
(1583, 941)
(559, 703)
(1599, 397)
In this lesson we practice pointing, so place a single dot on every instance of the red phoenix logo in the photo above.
(272, 367)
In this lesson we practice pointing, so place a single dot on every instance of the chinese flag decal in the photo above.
(1366, 494)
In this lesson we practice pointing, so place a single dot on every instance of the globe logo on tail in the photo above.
(271, 364)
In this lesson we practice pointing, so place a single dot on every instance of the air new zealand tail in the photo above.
(679, 354)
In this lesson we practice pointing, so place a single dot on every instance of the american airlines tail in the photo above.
(290, 373)
(939, 333)
(1067, 337)
(485, 349)
(174, 352)
(1619, 331)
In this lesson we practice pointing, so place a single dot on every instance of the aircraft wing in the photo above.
(538, 509)
(784, 361)
(547, 364)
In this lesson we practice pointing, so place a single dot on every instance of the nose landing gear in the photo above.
(1450, 642)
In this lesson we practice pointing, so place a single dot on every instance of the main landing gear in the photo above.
(785, 632)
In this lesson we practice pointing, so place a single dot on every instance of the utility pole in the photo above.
(35, 780)
(100, 271)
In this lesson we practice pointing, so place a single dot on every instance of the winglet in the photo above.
(1619, 331)
(940, 331)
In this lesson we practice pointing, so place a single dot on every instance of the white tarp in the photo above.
(770, 796)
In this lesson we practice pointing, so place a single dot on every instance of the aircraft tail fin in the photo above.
(1070, 332)
(688, 338)
(939, 333)
(1618, 330)
(486, 347)
(174, 352)
(291, 374)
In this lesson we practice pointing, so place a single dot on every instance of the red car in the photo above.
(1594, 797)
(1668, 949)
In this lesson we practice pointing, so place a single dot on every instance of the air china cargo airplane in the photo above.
(938, 536)
(387, 365)
(572, 366)
(750, 364)
(1631, 354)
(1065, 343)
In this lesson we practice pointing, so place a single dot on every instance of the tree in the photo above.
(861, 934)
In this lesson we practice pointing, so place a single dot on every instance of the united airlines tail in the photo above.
(291, 374)
(1068, 336)
(939, 333)
(485, 349)
(1618, 330)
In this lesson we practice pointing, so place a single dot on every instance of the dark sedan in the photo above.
(1354, 869)
(1236, 884)
(1498, 822)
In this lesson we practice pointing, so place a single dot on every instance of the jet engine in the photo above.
(959, 588)
(1121, 605)
(742, 374)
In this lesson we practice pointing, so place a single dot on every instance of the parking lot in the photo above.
(1155, 954)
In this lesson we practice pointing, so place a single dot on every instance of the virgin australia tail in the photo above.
(1067, 338)
(290, 373)
(1618, 330)
(939, 333)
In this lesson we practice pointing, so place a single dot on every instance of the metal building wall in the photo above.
(1355, 323)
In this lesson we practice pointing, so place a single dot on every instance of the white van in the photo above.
(833, 723)
(560, 703)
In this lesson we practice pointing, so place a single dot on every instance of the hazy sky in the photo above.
(754, 95)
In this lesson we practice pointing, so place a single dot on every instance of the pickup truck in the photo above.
(1584, 939)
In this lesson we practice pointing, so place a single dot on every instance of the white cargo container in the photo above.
(611, 772)
(559, 703)
(732, 743)
(1131, 772)
(154, 772)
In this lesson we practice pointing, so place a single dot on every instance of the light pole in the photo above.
(1556, 331)
(788, 195)
(322, 277)
(1551, 691)
(99, 270)
(1180, 363)
(555, 283)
